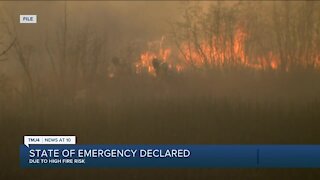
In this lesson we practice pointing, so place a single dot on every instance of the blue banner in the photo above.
(170, 156)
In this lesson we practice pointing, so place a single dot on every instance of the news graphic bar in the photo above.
(169, 156)
(137, 156)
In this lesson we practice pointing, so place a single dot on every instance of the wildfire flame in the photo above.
(208, 54)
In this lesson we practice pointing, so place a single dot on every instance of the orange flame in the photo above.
(217, 52)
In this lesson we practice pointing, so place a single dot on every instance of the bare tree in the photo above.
(74, 57)
(4, 52)
(23, 55)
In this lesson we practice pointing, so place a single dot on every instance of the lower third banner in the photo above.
(170, 156)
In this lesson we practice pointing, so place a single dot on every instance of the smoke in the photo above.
(122, 20)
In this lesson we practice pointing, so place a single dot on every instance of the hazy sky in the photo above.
(118, 23)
